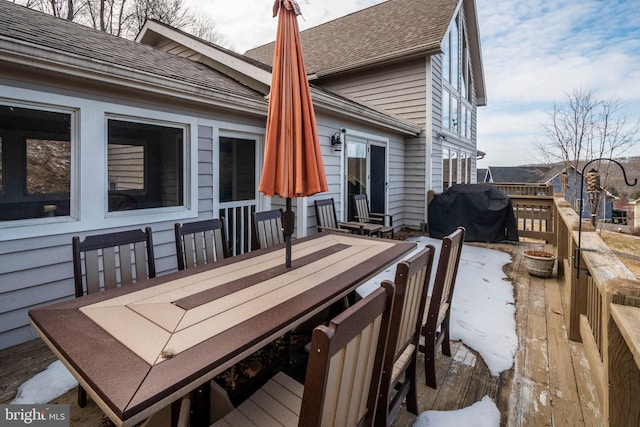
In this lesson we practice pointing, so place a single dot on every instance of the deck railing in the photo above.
(601, 282)
(533, 206)
(515, 189)
(595, 284)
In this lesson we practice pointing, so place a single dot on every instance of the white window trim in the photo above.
(88, 171)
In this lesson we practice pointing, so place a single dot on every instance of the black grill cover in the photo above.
(485, 212)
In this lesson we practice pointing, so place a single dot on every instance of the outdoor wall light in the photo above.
(336, 140)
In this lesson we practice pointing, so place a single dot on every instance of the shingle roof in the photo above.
(520, 174)
(388, 30)
(37, 28)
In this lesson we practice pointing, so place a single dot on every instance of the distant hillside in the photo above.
(615, 177)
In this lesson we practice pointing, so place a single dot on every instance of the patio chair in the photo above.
(326, 217)
(342, 376)
(362, 214)
(90, 275)
(200, 242)
(399, 377)
(267, 229)
(436, 319)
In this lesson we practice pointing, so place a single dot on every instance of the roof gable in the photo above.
(385, 33)
(166, 38)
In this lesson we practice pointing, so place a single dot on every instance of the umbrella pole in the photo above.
(288, 224)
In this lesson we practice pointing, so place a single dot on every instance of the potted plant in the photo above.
(539, 263)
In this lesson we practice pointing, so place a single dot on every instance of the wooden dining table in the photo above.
(138, 348)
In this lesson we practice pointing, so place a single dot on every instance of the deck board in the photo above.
(550, 383)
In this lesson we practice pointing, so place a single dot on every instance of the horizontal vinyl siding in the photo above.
(415, 181)
(398, 89)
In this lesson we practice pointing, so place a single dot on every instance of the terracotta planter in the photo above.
(539, 263)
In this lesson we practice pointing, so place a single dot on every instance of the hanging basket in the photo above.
(539, 263)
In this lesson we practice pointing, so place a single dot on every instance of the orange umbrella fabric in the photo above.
(293, 162)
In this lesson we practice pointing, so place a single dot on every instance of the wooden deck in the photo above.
(549, 385)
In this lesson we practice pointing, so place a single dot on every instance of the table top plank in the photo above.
(107, 366)
(137, 333)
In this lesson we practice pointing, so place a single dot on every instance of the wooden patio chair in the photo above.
(326, 217)
(436, 319)
(267, 229)
(200, 242)
(127, 257)
(362, 214)
(342, 377)
(399, 377)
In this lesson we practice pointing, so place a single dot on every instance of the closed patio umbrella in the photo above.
(292, 161)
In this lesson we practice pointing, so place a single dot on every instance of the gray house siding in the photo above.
(398, 89)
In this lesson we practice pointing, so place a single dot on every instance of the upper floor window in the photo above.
(35, 163)
(456, 76)
(145, 164)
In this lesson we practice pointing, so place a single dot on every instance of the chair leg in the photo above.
(412, 395)
(444, 328)
(430, 360)
(82, 397)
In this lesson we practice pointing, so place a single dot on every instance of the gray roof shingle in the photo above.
(388, 30)
(37, 28)
(520, 174)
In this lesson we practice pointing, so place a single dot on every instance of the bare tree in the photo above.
(125, 18)
(584, 128)
(65, 9)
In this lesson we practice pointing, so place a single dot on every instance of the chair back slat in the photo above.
(361, 205)
(267, 228)
(110, 268)
(200, 242)
(126, 265)
(92, 268)
(98, 265)
(140, 260)
(345, 363)
(220, 244)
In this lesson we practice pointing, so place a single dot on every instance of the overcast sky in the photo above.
(533, 52)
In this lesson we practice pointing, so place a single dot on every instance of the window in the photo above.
(145, 164)
(446, 109)
(35, 163)
(446, 169)
(237, 169)
(457, 85)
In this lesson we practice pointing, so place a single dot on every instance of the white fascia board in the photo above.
(243, 71)
(473, 31)
(76, 66)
